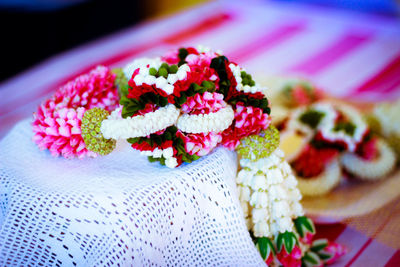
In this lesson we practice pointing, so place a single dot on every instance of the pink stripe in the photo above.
(211, 22)
(386, 79)
(266, 42)
(332, 54)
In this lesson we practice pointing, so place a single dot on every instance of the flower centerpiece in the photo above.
(176, 109)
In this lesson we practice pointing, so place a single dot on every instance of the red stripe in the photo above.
(267, 41)
(332, 54)
(196, 29)
(384, 80)
(369, 241)
(329, 231)
(394, 260)
(355, 257)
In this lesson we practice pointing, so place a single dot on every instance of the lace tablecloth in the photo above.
(118, 210)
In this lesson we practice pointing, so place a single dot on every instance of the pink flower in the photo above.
(336, 250)
(171, 57)
(204, 104)
(308, 238)
(248, 121)
(300, 96)
(290, 260)
(57, 122)
(200, 144)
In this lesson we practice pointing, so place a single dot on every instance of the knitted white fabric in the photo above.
(118, 210)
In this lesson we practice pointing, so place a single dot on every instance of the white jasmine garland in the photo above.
(116, 127)
(205, 123)
(271, 193)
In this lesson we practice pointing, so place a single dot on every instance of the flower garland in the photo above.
(189, 99)
(322, 137)
(270, 201)
(176, 109)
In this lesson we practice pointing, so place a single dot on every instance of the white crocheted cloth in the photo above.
(118, 210)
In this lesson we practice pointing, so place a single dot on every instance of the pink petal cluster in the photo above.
(57, 122)
(248, 121)
(201, 144)
(336, 250)
(200, 68)
(292, 259)
(204, 104)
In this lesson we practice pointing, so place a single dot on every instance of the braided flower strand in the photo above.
(57, 122)
(270, 201)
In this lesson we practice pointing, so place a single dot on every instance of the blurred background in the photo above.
(34, 30)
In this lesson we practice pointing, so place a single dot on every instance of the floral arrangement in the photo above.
(323, 137)
(173, 109)
(178, 108)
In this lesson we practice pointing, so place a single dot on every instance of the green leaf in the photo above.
(319, 244)
(151, 159)
(287, 239)
(311, 259)
(303, 225)
(181, 100)
(182, 54)
(348, 127)
(264, 247)
(133, 140)
(312, 117)
(325, 256)
(209, 86)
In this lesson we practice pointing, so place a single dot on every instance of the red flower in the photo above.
(248, 121)
(312, 161)
(290, 260)
(368, 150)
(270, 258)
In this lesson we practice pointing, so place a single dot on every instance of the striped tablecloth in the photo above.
(348, 54)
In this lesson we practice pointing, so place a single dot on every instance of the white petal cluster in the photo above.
(236, 70)
(360, 128)
(116, 127)
(144, 65)
(371, 169)
(268, 194)
(170, 160)
(327, 123)
(141, 63)
(205, 123)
